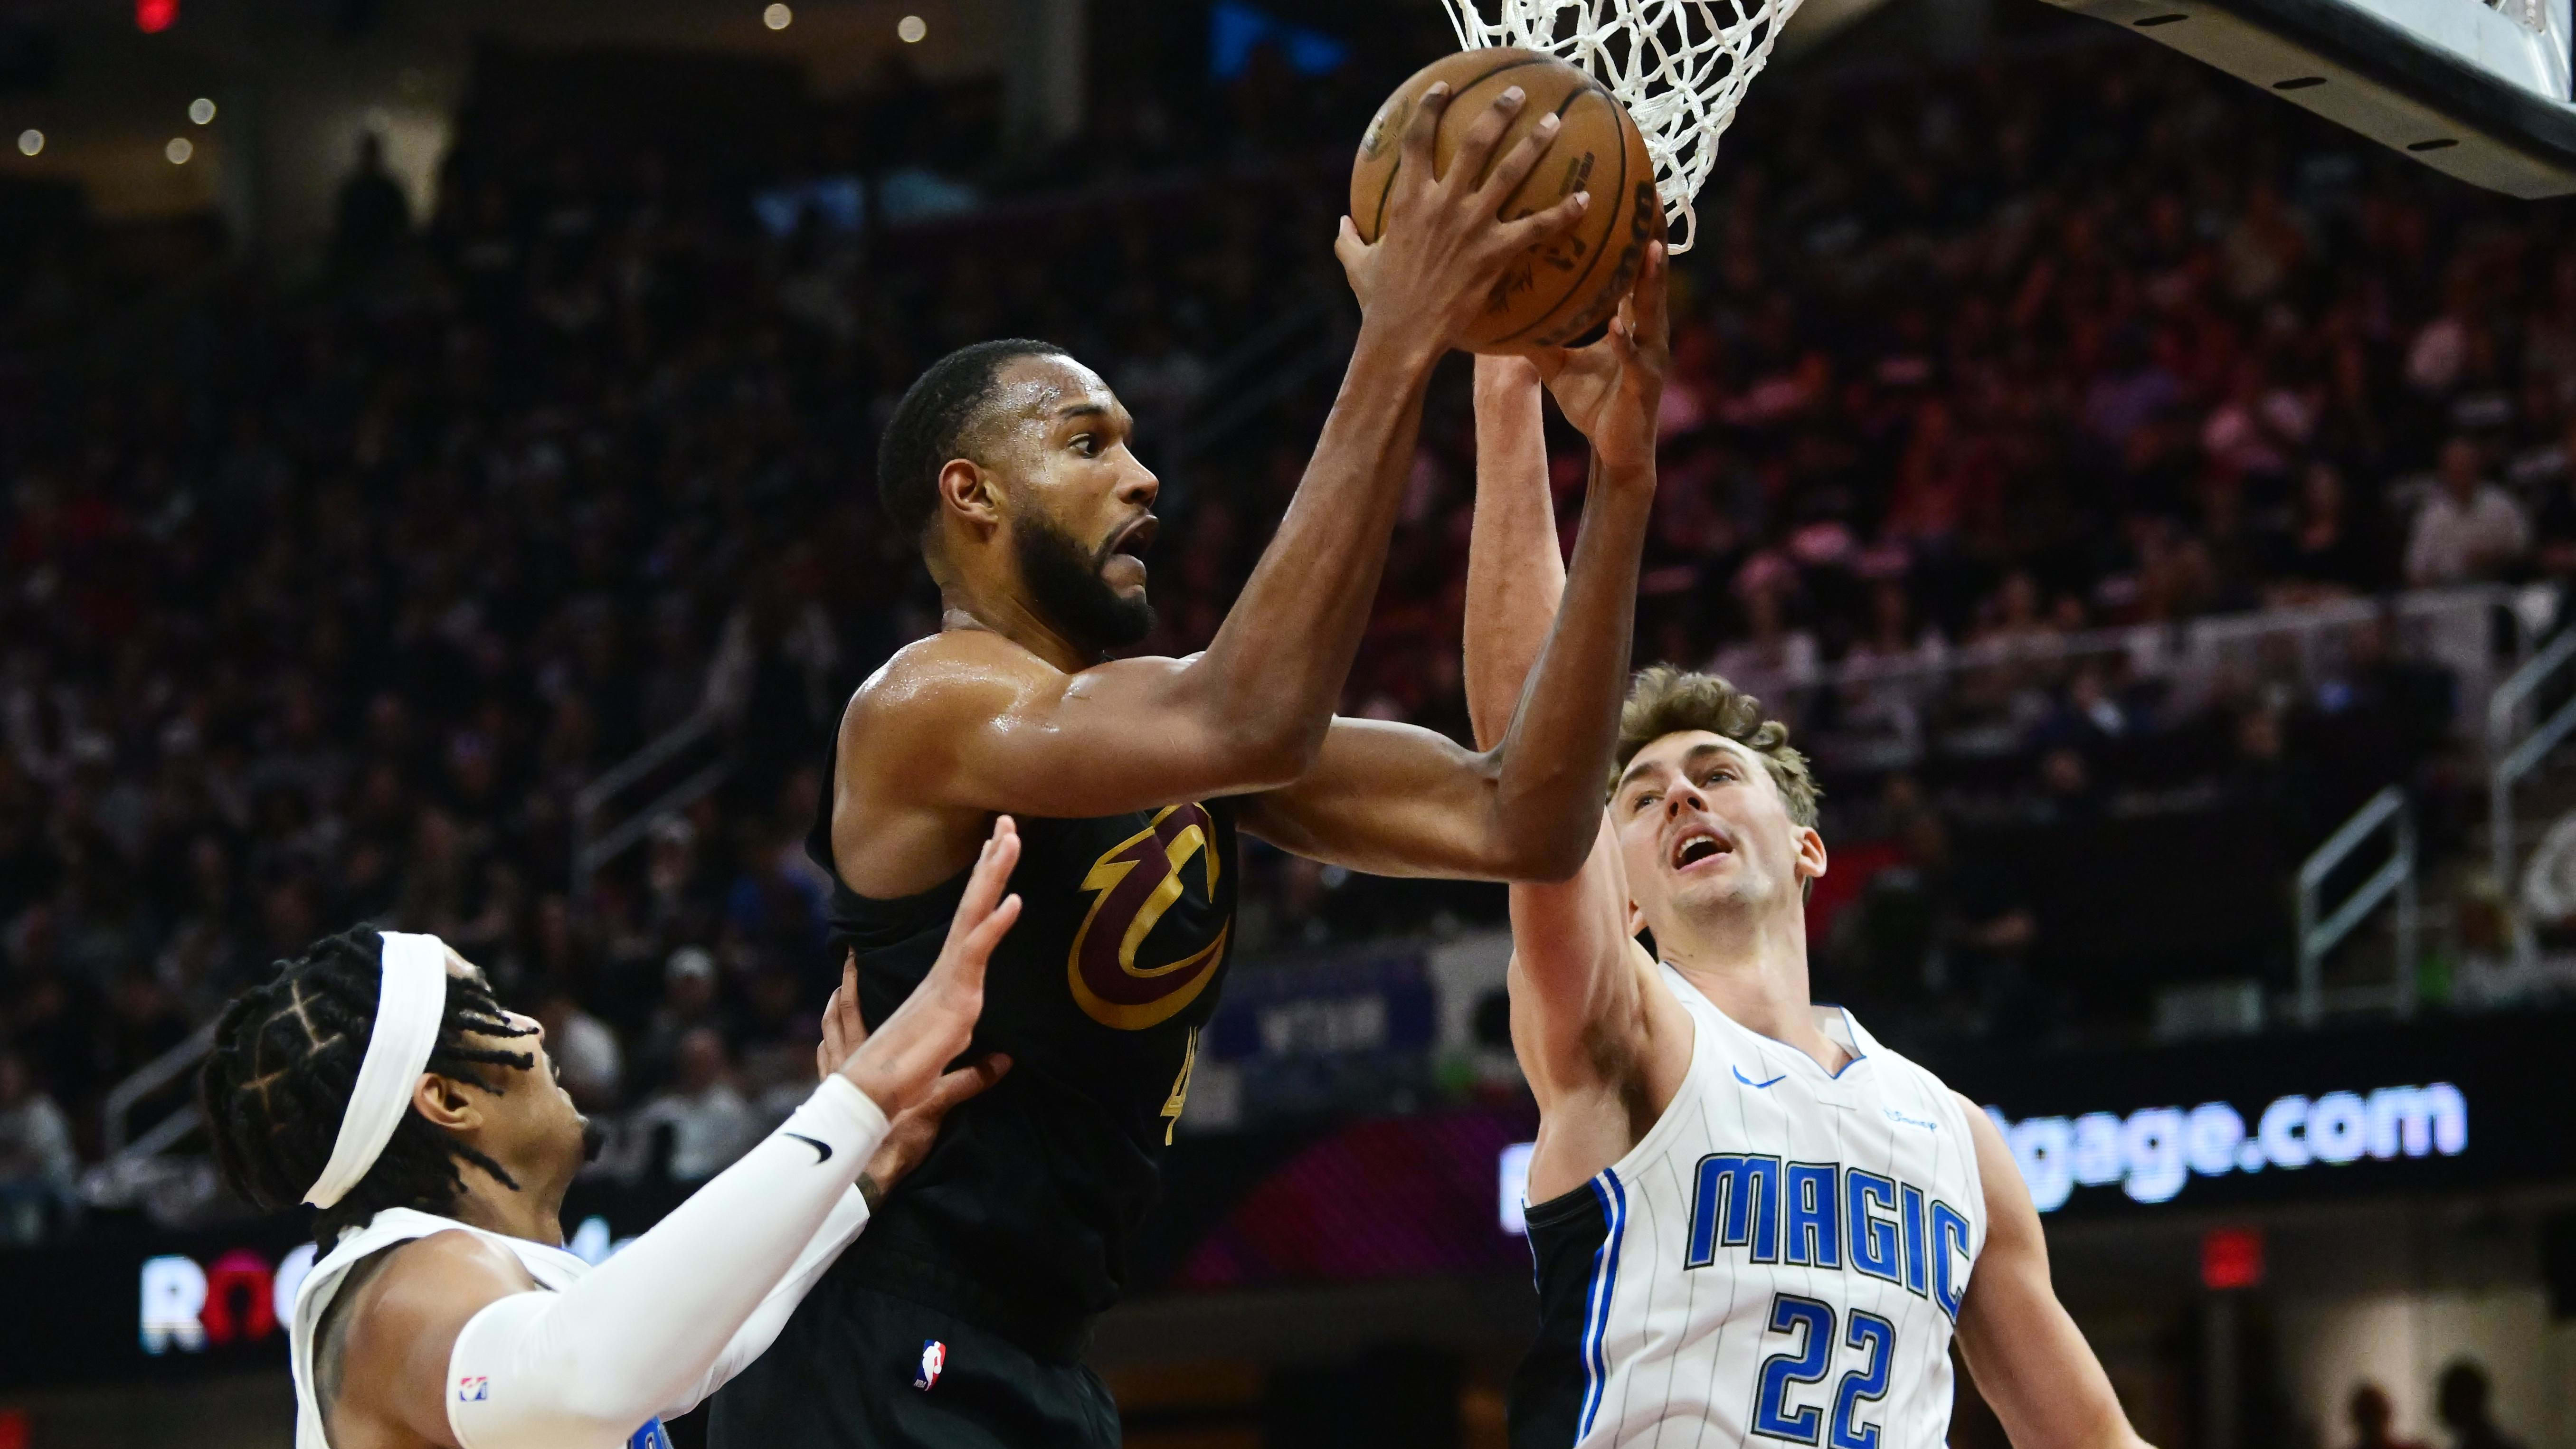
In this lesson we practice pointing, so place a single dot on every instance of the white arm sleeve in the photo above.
(761, 1330)
(590, 1365)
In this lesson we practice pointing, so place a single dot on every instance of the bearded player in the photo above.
(1750, 1220)
(960, 1318)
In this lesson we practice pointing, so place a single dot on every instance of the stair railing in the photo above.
(2385, 811)
(595, 845)
(2513, 753)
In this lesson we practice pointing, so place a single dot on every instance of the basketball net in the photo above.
(1681, 67)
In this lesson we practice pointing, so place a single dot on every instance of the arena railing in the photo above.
(2516, 749)
(2386, 811)
(594, 846)
(2455, 628)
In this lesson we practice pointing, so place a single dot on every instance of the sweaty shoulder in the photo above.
(913, 710)
(954, 670)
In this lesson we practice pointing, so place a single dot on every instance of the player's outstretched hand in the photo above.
(1612, 390)
(909, 1137)
(899, 1064)
(1445, 239)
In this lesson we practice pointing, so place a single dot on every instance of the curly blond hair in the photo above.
(1665, 701)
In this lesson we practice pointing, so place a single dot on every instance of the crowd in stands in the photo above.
(319, 601)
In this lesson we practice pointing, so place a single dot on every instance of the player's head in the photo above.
(485, 1115)
(1714, 812)
(1008, 463)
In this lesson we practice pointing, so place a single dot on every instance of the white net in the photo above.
(1681, 68)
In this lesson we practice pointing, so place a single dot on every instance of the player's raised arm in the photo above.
(1397, 800)
(1066, 735)
(1572, 965)
(2029, 1359)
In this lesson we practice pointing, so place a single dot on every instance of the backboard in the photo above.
(2480, 89)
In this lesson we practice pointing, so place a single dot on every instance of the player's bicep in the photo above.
(1120, 736)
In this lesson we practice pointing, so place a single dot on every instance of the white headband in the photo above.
(411, 1001)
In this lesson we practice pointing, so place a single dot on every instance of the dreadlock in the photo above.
(285, 1063)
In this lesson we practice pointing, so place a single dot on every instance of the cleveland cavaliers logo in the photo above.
(1136, 881)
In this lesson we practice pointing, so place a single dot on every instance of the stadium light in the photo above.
(201, 111)
(30, 141)
(778, 17)
(179, 150)
(910, 29)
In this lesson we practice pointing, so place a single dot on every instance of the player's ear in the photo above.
(1811, 854)
(1636, 918)
(968, 492)
(445, 1102)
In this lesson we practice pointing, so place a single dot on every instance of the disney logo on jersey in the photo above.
(1823, 1215)
(1137, 882)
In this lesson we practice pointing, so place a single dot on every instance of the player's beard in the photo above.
(1064, 582)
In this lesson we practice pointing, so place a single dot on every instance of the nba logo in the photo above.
(473, 1390)
(934, 1357)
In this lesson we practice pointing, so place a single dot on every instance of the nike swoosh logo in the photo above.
(1748, 1081)
(823, 1150)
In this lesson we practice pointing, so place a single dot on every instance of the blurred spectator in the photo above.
(2469, 529)
(373, 213)
(584, 1050)
(708, 1121)
(689, 1002)
(2327, 549)
(38, 1170)
(2462, 1400)
(2370, 1414)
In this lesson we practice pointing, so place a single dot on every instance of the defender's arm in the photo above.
(1546, 655)
(1397, 800)
(1571, 968)
(453, 1343)
(2029, 1359)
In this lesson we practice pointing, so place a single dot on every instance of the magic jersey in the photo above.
(553, 1268)
(1780, 1260)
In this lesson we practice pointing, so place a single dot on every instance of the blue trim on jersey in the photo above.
(1613, 1195)
(1836, 1075)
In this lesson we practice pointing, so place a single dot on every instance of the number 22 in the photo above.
(1813, 1324)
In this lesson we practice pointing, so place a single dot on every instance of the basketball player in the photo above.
(376, 1078)
(1751, 1221)
(960, 1319)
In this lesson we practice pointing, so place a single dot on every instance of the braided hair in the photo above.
(285, 1063)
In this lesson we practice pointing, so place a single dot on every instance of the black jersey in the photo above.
(1021, 1217)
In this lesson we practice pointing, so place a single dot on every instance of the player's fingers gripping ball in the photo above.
(1563, 289)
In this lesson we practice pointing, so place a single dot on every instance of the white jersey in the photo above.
(554, 1269)
(1780, 1260)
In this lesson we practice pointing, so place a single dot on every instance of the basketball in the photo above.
(1562, 291)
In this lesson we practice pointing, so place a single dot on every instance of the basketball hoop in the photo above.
(1681, 67)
